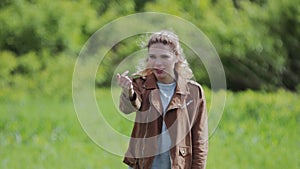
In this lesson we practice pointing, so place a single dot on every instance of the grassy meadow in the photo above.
(40, 42)
(257, 131)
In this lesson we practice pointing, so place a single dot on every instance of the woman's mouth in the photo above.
(159, 71)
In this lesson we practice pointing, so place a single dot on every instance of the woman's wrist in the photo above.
(132, 95)
(129, 93)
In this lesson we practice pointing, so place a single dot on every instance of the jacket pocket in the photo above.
(185, 157)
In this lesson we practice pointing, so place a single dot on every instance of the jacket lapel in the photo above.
(178, 99)
(155, 100)
(176, 102)
(154, 97)
(181, 90)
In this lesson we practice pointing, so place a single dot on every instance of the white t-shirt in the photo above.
(162, 160)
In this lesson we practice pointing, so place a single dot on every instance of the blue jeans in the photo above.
(161, 161)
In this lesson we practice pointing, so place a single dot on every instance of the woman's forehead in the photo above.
(159, 48)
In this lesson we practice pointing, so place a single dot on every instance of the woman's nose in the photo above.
(158, 62)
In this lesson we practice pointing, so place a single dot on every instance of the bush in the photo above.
(257, 40)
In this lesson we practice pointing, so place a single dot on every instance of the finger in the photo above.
(118, 76)
(128, 84)
(125, 85)
(125, 73)
(126, 78)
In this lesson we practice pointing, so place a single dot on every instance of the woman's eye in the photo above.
(165, 56)
(151, 56)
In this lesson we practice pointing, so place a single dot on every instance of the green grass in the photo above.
(44, 133)
(257, 131)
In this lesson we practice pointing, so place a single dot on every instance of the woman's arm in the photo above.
(130, 99)
(200, 135)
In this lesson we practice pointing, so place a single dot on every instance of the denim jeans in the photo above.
(161, 161)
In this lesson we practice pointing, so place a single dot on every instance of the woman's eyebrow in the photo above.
(165, 55)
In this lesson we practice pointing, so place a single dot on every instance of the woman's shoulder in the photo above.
(194, 83)
(195, 86)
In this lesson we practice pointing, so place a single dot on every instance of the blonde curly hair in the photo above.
(167, 38)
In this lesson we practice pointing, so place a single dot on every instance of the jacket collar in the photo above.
(178, 99)
(181, 86)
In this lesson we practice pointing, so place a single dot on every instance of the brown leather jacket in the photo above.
(185, 118)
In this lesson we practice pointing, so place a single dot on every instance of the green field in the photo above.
(257, 131)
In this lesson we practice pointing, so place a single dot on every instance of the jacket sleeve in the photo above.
(131, 104)
(200, 135)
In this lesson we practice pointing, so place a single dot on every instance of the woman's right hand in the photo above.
(124, 81)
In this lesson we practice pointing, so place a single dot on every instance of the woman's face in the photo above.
(162, 61)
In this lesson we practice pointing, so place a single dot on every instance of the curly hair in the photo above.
(167, 38)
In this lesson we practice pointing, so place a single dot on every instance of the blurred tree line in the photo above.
(257, 40)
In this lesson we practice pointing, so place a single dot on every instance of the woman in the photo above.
(170, 129)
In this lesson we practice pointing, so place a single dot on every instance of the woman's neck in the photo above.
(166, 80)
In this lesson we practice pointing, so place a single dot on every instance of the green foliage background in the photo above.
(257, 41)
